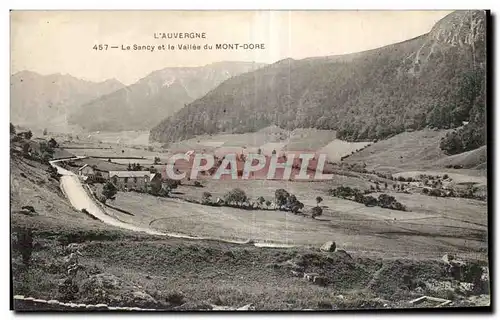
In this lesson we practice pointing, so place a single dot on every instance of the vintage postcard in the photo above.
(248, 160)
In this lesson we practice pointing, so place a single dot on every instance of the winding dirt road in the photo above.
(80, 199)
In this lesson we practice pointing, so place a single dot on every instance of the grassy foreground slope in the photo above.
(121, 268)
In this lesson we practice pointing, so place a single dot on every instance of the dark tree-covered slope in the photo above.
(434, 80)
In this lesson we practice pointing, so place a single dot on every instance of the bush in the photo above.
(389, 202)
(109, 191)
(236, 196)
(206, 197)
(435, 193)
(316, 211)
(24, 245)
(281, 196)
(370, 201)
(172, 184)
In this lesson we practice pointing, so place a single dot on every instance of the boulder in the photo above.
(296, 273)
(310, 276)
(329, 246)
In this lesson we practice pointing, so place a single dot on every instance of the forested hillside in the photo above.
(435, 80)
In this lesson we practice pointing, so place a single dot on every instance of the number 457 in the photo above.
(100, 47)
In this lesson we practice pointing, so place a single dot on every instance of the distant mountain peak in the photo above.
(435, 80)
(460, 27)
(141, 105)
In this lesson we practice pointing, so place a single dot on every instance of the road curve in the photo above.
(80, 199)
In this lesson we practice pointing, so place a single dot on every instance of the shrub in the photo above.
(261, 200)
(316, 211)
(206, 197)
(109, 191)
(281, 196)
(318, 200)
(236, 195)
(389, 202)
(24, 245)
(171, 183)
(370, 201)
(435, 193)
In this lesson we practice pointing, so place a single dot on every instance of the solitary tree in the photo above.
(236, 195)
(281, 196)
(12, 129)
(261, 200)
(109, 191)
(53, 143)
(157, 160)
(318, 200)
(45, 131)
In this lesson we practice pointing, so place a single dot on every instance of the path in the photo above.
(80, 199)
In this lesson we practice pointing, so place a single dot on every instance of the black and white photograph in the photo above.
(250, 160)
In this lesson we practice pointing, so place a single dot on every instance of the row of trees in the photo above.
(283, 201)
(354, 194)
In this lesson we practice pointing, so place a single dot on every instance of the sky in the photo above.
(62, 42)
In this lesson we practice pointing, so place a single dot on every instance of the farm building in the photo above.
(126, 180)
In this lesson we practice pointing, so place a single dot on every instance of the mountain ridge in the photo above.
(433, 80)
(51, 97)
(140, 105)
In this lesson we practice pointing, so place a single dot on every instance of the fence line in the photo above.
(42, 304)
